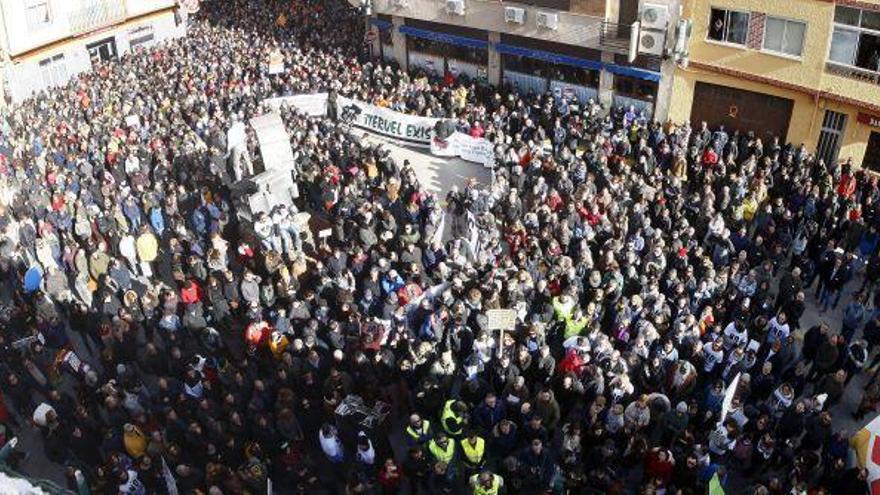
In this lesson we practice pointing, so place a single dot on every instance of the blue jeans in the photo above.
(828, 298)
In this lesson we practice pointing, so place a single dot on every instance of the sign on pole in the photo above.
(501, 319)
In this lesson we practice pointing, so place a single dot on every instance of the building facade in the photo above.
(807, 71)
(579, 47)
(46, 42)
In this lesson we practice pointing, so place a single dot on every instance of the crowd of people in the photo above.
(652, 268)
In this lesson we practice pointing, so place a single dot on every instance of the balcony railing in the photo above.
(615, 37)
(851, 72)
(96, 14)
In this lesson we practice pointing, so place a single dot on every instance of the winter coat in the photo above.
(147, 247)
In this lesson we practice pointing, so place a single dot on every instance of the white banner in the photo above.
(728, 398)
(236, 137)
(312, 104)
(468, 148)
(410, 129)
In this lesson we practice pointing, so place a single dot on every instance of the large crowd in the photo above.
(650, 267)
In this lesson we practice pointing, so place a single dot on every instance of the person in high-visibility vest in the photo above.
(452, 418)
(418, 432)
(442, 449)
(486, 483)
(563, 307)
(575, 324)
(473, 449)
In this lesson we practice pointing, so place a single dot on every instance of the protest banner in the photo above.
(408, 129)
(310, 104)
(468, 148)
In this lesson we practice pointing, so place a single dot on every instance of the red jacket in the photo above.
(847, 186)
(657, 469)
(191, 294)
(710, 158)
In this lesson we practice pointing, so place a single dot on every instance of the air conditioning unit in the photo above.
(400, 4)
(651, 42)
(514, 15)
(655, 16)
(547, 20)
(455, 7)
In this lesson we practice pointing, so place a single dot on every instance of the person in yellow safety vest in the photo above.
(563, 305)
(576, 323)
(452, 418)
(473, 449)
(442, 449)
(486, 483)
(418, 432)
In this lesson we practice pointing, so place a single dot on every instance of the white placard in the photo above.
(468, 148)
(501, 319)
(276, 62)
(311, 104)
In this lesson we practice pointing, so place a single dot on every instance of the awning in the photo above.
(643, 74)
(554, 58)
(583, 63)
(380, 24)
(452, 39)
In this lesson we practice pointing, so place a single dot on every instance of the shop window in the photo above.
(524, 65)
(632, 87)
(477, 56)
(574, 75)
(729, 26)
(557, 72)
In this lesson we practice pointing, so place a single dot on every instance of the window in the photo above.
(729, 26)
(631, 87)
(856, 38)
(847, 15)
(37, 14)
(843, 46)
(54, 70)
(784, 36)
(467, 54)
(140, 36)
(872, 154)
(831, 136)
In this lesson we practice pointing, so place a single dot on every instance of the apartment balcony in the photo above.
(96, 14)
(852, 72)
(852, 82)
(615, 38)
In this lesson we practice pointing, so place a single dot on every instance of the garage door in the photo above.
(740, 110)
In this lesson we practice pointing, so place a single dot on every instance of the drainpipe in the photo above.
(815, 110)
